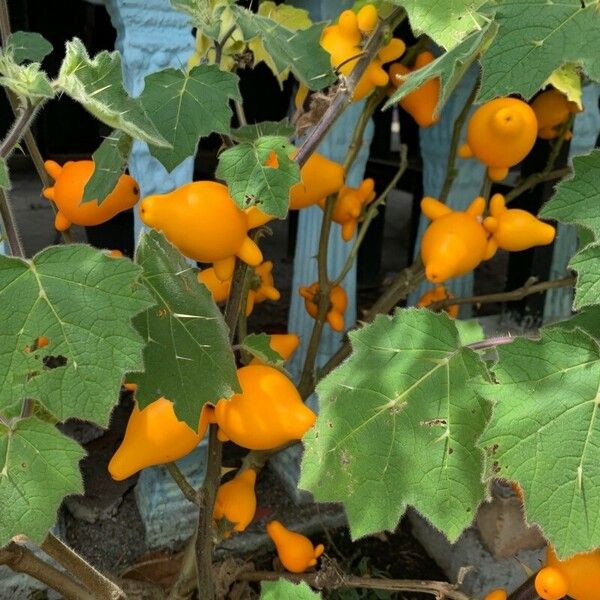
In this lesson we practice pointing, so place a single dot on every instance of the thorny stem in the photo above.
(204, 533)
(181, 480)
(20, 559)
(307, 376)
(370, 215)
(343, 96)
(219, 45)
(96, 582)
(336, 580)
(492, 342)
(10, 226)
(20, 126)
(456, 131)
(4, 23)
(530, 287)
(486, 188)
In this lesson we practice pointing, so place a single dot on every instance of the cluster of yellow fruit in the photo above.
(268, 413)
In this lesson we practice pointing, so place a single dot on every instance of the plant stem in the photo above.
(204, 535)
(529, 288)
(456, 131)
(535, 179)
(4, 23)
(492, 342)
(20, 126)
(22, 560)
(357, 138)
(486, 188)
(333, 579)
(525, 591)
(307, 376)
(10, 226)
(370, 215)
(96, 582)
(343, 97)
(181, 480)
(186, 581)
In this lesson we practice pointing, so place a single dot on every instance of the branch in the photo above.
(96, 582)
(21, 559)
(181, 480)
(331, 578)
(10, 226)
(535, 179)
(530, 287)
(343, 97)
(370, 214)
(456, 131)
(204, 531)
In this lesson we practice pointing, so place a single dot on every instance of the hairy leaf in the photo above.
(110, 161)
(186, 106)
(567, 79)
(298, 50)
(97, 84)
(250, 133)
(587, 264)
(206, 15)
(260, 173)
(450, 67)
(39, 466)
(397, 426)
(82, 301)
(27, 81)
(576, 199)
(283, 588)
(535, 37)
(588, 320)
(28, 46)
(446, 23)
(188, 357)
(545, 432)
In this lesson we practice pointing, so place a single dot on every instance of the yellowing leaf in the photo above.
(567, 80)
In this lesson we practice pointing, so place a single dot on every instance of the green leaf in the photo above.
(567, 79)
(4, 175)
(110, 161)
(587, 264)
(450, 67)
(469, 331)
(39, 466)
(206, 15)
(535, 37)
(283, 588)
(576, 199)
(83, 302)
(27, 81)
(97, 84)
(252, 182)
(588, 320)
(28, 46)
(259, 345)
(299, 50)
(446, 23)
(188, 106)
(397, 426)
(250, 133)
(188, 357)
(544, 433)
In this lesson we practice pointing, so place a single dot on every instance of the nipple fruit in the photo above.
(296, 552)
(67, 192)
(338, 302)
(205, 224)
(515, 229)
(455, 242)
(500, 134)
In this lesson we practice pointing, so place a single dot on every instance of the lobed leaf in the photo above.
(544, 433)
(536, 37)
(82, 301)
(186, 106)
(28, 46)
(260, 174)
(283, 588)
(97, 84)
(188, 357)
(39, 466)
(398, 426)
